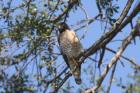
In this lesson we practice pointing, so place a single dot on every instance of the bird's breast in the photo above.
(71, 36)
(70, 44)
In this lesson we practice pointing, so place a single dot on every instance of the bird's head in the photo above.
(62, 27)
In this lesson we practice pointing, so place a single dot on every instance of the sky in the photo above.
(95, 30)
(93, 33)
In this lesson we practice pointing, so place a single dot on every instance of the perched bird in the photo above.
(71, 48)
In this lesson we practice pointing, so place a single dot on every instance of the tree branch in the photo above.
(106, 38)
(129, 60)
(63, 81)
(117, 27)
(111, 78)
(114, 60)
(71, 4)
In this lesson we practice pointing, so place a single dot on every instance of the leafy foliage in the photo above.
(29, 54)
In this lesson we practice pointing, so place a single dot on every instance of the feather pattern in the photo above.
(71, 48)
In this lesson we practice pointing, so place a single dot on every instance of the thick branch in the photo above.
(125, 43)
(107, 37)
(117, 27)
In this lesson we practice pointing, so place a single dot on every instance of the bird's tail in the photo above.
(77, 75)
(75, 68)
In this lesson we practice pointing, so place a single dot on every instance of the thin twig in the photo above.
(111, 78)
(124, 45)
(63, 81)
(108, 36)
(129, 60)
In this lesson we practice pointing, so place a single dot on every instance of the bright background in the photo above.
(92, 33)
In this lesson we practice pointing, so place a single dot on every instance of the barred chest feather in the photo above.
(70, 44)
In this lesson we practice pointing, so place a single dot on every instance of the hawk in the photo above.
(71, 48)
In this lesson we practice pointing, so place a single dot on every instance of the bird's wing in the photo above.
(68, 40)
(63, 54)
